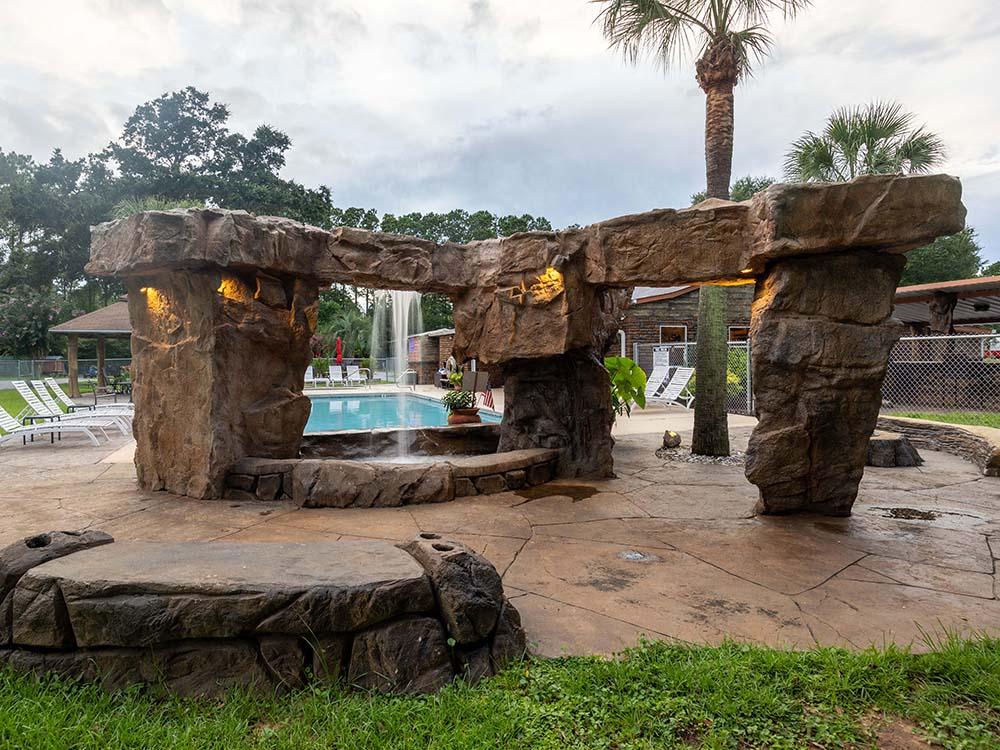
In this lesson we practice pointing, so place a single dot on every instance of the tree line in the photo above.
(175, 150)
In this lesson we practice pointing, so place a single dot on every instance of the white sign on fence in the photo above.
(661, 356)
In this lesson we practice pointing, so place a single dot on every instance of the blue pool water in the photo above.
(367, 412)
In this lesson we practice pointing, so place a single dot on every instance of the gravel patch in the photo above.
(737, 458)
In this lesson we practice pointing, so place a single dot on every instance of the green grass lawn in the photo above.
(12, 402)
(657, 696)
(981, 418)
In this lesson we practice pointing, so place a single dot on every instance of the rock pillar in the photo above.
(219, 358)
(821, 334)
(941, 313)
(560, 402)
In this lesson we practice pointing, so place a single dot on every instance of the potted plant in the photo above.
(455, 379)
(461, 407)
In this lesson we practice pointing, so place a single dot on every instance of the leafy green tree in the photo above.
(993, 269)
(179, 146)
(957, 256)
(354, 330)
(730, 36)
(333, 302)
(743, 189)
(460, 226)
(25, 317)
(436, 310)
(878, 138)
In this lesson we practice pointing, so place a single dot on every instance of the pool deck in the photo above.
(665, 550)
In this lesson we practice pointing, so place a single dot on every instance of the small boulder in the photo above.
(671, 439)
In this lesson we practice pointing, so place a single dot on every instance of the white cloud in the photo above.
(512, 105)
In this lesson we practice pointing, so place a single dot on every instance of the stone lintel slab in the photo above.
(716, 241)
(144, 593)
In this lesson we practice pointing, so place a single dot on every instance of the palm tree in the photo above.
(134, 205)
(878, 138)
(730, 37)
(354, 330)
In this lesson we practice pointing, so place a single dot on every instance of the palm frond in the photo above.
(874, 139)
(921, 151)
(752, 46)
(136, 204)
(812, 158)
(669, 30)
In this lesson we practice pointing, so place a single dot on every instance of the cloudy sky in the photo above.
(509, 105)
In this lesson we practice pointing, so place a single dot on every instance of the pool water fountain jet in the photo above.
(406, 319)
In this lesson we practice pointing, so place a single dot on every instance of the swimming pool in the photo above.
(374, 410)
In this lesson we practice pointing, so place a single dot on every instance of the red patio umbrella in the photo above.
(340, 350)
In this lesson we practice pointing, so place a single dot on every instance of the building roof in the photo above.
(434, 334)
(643, 294)
(112, 320)
(978, 300)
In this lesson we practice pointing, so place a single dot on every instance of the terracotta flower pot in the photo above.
(464, 416)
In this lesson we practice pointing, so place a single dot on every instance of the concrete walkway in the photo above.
(666, 550)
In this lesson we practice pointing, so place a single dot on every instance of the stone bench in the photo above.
(980, 445)
(199, 618)
(337, 483)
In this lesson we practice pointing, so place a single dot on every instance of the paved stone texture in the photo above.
(665, 550)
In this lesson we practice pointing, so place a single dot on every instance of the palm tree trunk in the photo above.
(711, 427)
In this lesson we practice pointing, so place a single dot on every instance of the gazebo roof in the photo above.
(112, 320)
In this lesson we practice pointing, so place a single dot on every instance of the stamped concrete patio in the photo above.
(666, 550)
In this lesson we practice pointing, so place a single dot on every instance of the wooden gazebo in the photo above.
(108, 322)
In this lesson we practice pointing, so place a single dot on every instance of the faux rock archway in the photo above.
(223, 305)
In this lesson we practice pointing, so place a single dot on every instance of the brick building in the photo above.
(669, 315)
(427, 351)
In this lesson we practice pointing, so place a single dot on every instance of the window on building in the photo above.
(673, 334)
(739, 333)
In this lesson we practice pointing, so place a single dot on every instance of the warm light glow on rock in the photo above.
(232, 288)
(549, 286)
(156, 302)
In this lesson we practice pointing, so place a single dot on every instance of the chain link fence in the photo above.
(949, 378)
(381, 369)
(739, 386)
(58, 368)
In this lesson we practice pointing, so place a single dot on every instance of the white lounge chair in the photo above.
(354, 376)
(656, 381)
(337, 375)
(122, 413)
(676, 391)
(14, 429)
(64, 398)
(311, 378)
(43, 412)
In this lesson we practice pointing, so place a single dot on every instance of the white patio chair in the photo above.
(354, 376)
(337, 375)
(14, 429)
(676, 390)
(311, 378)
(122, 413)
(656, 381)
(64, 398)
(43, 412)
